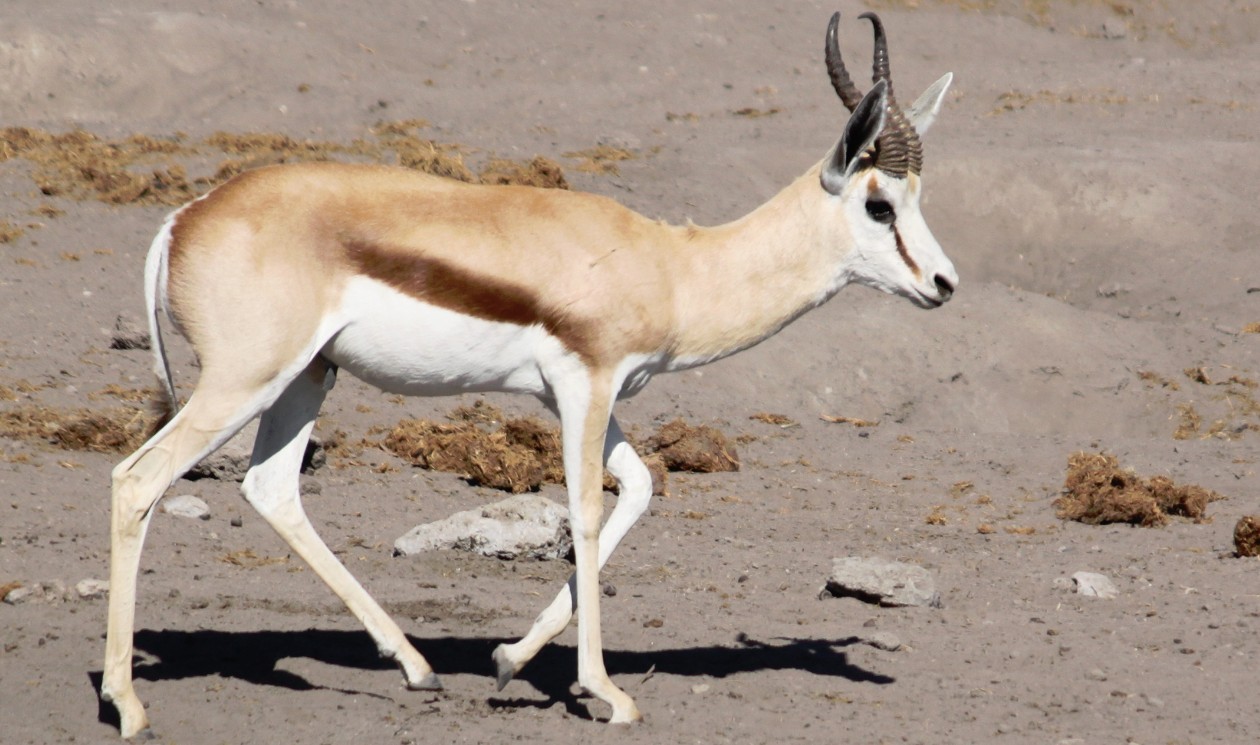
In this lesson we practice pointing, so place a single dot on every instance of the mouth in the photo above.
(923, 300)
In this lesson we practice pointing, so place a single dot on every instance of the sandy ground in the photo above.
(1093, 178)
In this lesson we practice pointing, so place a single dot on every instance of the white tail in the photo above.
(426, 286)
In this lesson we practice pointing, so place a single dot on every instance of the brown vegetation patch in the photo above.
(781, 420)
(1098, 491)
(9, 232)
(701, 449)
(541, 172)
(520, 454)
(483, 457)
(856, 422)
(116, 430)
(142, 169)
(1247, 536)
(601, 159)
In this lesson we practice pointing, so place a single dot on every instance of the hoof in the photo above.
(430, 682)
(504, 668)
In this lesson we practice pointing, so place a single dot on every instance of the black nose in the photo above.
(943, 286)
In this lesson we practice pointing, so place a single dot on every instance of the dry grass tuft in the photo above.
(142, 169)
(520, 454)
(115, 430)
(1247, 536)
(1097, 492)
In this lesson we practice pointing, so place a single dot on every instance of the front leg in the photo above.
(584, 402)
(635, 492)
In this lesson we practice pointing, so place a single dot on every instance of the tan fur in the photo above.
(606, 281)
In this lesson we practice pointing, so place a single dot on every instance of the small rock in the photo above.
(92, 589)
(1114, 28)
(527, 526)
(885, 641)
(1096, 674)
(236, 522)
(887, 583)
(21, 595)
(700, 688)
(609, 589)
(1093, 585)
(186, 505)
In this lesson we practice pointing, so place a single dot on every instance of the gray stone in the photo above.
(1093, 585)
(186, 505)
(527, 526)
(92, 589)
(21, 595)
(883, 582)
(884, 640)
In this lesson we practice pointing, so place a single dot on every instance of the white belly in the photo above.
(402, 345)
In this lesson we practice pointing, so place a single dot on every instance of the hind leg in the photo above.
(271, 486)
(138, 482)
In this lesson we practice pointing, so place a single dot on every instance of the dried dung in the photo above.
(1098, 491)
(1247, 536)
(701, 449)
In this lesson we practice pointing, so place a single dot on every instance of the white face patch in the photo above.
(894, 251)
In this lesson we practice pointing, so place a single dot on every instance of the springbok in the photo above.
(426, 286)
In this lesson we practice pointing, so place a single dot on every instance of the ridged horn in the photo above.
(899, 148)
(849, 95)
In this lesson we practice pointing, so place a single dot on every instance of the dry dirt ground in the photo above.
(1093, 176)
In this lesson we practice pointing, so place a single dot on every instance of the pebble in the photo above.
(186, 505)
(884, 640)
(1093, 585)
(700, 688)
(1096, 674)
(92, 589)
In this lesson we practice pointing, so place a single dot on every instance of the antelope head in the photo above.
(874, 174)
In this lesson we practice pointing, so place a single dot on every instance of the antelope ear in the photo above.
(860, 133)
(925, 108)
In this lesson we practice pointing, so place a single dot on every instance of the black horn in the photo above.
(899, 149)
(840, 80)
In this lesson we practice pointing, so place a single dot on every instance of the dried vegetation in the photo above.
(1097, 491)
(520, 454)
(115, 430)
(143, 169)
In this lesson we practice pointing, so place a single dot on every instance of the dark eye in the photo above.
(880, 211)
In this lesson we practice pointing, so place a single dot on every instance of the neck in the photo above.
(747, 279)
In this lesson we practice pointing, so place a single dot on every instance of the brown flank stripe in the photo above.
(441, 284)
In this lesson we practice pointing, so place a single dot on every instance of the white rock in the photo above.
(20, 595)
(91, 589)
(1093, 585)
(884, 640)
(526, 526)
(186, 505)
(888, 583)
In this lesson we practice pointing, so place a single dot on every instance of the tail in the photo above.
(164, 403)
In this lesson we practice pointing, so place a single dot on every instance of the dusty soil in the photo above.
(1092, 176)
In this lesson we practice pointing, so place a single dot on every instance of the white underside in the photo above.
(403, 345)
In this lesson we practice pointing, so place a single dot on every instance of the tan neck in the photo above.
(745, 280)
